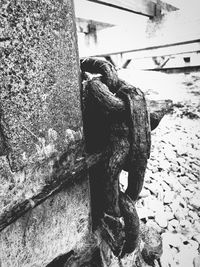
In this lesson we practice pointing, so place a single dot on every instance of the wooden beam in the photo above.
(165, 38)
(108, 14)
(165, 62)
(191, 46)
(88, 10)
(158, 50)
(142, 7)
(127, 62)
(177, 69)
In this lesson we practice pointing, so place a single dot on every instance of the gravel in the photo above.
(170, 198)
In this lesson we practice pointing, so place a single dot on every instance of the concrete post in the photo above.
(40, 119)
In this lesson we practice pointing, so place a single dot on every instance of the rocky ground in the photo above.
(170, 199)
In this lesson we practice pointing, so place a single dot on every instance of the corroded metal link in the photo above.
(131, 117)
(139, 137)
(106, 69)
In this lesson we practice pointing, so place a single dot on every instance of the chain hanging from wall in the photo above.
(115, 115)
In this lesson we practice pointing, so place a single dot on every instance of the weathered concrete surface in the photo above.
(40, 95)
(40, 118)
(56, 227)
(39, 77)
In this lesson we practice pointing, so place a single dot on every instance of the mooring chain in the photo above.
(129, 150)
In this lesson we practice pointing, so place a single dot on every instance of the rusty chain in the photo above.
(127, 132)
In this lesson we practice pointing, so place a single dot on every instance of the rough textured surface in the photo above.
(40, 110)
(56, 227)
(40, 118)
(128, 149)
(38, 77)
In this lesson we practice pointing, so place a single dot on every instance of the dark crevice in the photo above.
(61, 260)
(3, 142)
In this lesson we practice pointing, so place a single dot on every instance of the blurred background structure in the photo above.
(140, 34)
